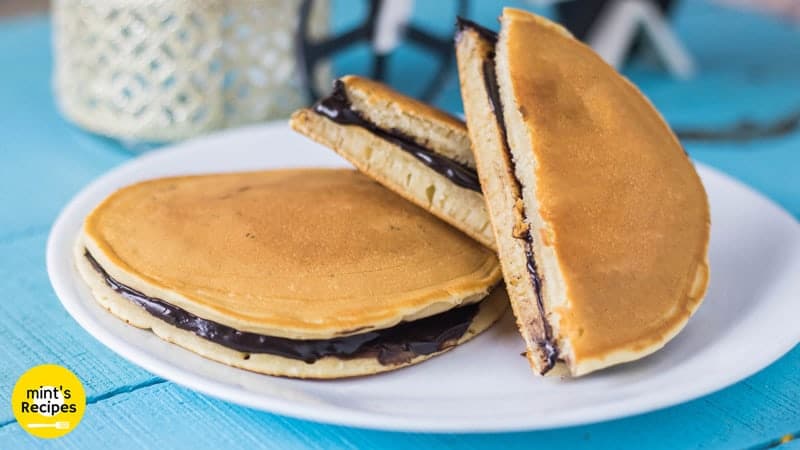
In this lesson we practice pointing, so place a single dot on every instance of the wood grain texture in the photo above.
(35, 329)
(137, 420)
(44, 161)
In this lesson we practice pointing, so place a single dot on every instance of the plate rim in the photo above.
(337, 415)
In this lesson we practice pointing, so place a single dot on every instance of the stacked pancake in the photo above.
(564, 169)
(302, 273)
(598, 216)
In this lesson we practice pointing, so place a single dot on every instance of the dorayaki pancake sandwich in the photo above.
(601, 221)
(411, 148)
(309, 273)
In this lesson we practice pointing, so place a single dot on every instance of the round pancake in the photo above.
(491, 309)
(300, 254)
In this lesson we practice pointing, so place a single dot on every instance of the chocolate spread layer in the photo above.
(547, 344)
(337, 107)
(396, 345)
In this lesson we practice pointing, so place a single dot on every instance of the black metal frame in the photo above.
(310, 53)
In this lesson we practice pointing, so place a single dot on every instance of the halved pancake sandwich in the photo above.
(601, 221)
(309, 273)
(416, 150)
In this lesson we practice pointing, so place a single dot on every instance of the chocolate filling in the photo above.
(547, 344)
(337, 107)
(396, 345)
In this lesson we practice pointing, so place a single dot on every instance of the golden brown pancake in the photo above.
(601, 220)
(411, 148)
(308, 273)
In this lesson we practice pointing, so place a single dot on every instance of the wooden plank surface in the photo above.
(168, 416)
(44, 161)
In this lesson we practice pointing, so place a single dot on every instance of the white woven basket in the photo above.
(162, 70)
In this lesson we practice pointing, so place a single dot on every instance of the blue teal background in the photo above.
(749, 69)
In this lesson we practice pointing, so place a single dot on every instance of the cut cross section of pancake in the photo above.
(601, 221)
(308, 273)
(417, 151)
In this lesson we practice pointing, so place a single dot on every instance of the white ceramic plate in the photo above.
(748, 320)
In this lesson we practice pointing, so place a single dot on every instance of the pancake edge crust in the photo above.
(491, 309)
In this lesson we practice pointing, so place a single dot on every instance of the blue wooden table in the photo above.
(749, 70)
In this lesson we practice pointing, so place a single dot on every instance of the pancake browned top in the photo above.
(306, 253)
(622, 204)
